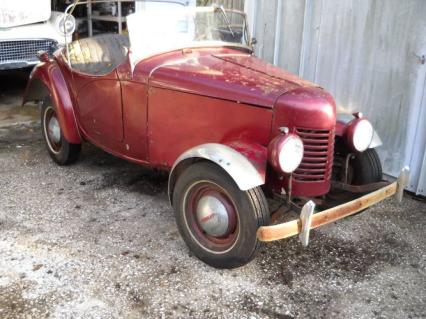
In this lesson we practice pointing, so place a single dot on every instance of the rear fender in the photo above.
(46, 79)
(342, 123)
(245, 163)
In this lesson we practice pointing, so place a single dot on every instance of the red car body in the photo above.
(177, 100)
(217, 118)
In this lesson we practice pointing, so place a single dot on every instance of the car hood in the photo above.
(36, 31)
(16, 13)
(226, 74)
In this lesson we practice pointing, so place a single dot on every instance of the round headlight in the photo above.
(286, 152)
(362, 135)
(65, 24)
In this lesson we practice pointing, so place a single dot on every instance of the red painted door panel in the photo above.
(178, 121)
(134, 117)
(100, 111)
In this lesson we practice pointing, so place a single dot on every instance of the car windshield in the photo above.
(155, 30)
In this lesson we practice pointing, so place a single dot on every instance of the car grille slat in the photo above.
(25, 50)
(315, 147)
(318, 155)
(315, 155)
(311, 170)
(320, 142)
(312, 165)
(315, 159)
(317, 134)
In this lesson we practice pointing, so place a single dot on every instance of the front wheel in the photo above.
(216, 219)
(59, 149)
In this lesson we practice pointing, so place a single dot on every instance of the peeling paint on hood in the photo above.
(21, 12)
(252, 63)
(226, 74)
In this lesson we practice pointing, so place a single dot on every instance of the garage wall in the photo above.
(367, 54)
(231, 4)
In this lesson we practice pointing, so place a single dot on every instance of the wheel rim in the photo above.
(211, 217)
(52, 130)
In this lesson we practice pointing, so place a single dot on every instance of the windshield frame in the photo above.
(202, 44)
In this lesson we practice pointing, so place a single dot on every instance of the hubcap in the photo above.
(54, 130)
(212, 216)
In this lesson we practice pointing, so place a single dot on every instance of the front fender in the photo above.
(246, 172)
(342, 122)
(46, 79)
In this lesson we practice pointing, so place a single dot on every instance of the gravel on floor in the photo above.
(98, 240)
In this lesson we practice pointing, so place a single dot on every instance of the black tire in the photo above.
(59, 149)
(366, 168)
(250, 208)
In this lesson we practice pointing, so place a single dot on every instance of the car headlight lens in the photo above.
(362, 135)
(286, 152)
(65, 24)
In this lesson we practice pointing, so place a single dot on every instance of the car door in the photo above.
(100, 109)
(134, 91)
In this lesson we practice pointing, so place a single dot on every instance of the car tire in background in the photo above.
(362, 169)
(59, 149)
(216, 219)
(366, 167)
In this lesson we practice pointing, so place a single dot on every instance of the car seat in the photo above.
(98, 55)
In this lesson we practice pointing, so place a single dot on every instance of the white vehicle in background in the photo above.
(30, 26)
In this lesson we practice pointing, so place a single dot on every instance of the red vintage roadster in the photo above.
(187, 95)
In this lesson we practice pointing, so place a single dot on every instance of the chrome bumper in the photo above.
(17, 65)
(308, 220)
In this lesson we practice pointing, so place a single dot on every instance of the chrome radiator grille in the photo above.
(24, 50)
(317, 160)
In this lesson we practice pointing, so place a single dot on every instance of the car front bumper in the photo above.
(17, 65)
(19, 45)
(308, 220)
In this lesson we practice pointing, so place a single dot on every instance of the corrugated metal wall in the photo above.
(367, 54)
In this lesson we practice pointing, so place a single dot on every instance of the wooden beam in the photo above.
(294, 227)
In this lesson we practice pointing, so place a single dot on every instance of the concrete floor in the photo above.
(12, 86)
(98, 240)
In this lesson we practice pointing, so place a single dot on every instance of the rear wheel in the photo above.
(59, 149)
(216, 219)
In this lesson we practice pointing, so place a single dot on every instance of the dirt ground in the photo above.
(98, 240)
